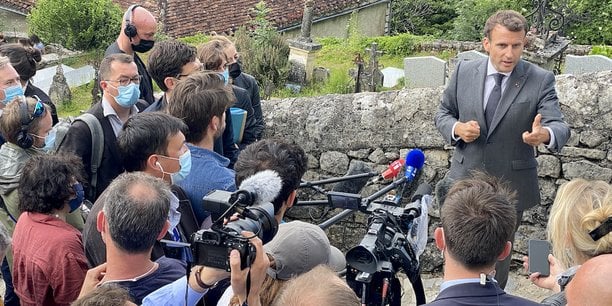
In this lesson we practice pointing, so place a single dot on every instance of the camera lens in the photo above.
(260, 221)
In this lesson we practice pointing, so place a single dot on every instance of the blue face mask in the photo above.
(80, 196)
(225, 76)
(128, 95)
(11, 92)
(50, 141)
(184, 162)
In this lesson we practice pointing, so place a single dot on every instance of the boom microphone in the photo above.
(354, 185)
(391, 172)
(259, 188)
(414, 162)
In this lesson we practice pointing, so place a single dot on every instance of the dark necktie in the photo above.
(494, 98)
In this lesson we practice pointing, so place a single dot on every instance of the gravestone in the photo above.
(302, 51)
(59, 92)
(74, 77)
(392, 76)
(470, 55)
(424, 71)
(585, 64)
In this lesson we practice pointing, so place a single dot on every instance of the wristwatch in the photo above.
(201, 283)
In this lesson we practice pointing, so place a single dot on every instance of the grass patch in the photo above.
(81, 101)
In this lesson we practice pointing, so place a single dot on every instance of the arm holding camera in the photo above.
(256, 273)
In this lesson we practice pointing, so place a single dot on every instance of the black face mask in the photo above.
(143, 46)
(234, 70)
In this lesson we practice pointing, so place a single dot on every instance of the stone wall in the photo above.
(376, 128)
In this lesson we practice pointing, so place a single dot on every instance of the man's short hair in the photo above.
(4, 61)
(509, 19)
(167, 60)
(146, 134)
(11, 123)
(478, 218)
(288, 160)
(320, 286)
(212, 54)
(22, 59)
(46, 182)
(198, 98)
(105, 65)
(136, 210)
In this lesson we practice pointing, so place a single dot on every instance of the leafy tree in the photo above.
(265, 54)
(588, 21)
(89, 25)
(472, 15)
(422, 17)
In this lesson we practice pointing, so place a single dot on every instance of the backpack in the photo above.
(97, 144)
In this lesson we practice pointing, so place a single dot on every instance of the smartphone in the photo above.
(538, 256)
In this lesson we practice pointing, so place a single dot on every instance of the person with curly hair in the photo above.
(49, 263)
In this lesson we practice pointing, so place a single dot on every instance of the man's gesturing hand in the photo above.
(468, 131)
(538, 133)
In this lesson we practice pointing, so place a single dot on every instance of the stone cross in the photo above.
(376, 77)
(307, 21)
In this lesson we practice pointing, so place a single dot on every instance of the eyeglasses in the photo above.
(199, 69)
(125, 81)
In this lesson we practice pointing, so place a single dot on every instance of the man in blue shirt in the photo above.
(477, 218)
(201, 100)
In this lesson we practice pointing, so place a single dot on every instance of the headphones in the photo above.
(130, 29)
(24, 139)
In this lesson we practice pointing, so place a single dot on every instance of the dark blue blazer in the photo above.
(476, 294)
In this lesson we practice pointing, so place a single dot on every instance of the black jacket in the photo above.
(248, 83)
(251, 129)
(78, 141)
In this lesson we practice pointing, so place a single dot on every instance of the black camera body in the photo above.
(211, 248)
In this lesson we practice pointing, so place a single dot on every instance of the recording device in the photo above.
(392, 171)
(414, 162)
(389, 245)
(252, 204)
(538, 257)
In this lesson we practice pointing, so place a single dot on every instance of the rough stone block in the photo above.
(378, 156)
(548, 165)
(582, 152)
(584, 64)
(587, 170)
(334, 162)
(360, 154)
(592, 138)
(424, 71)
(313, 162)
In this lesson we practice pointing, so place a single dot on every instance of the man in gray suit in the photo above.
(495, 112)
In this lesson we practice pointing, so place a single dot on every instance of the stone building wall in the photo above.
(376, 128)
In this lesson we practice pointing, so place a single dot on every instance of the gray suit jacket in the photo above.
(500, 150)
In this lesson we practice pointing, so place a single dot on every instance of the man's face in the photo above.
(44, 127)
(146, 28)
(187, 70)
(504, 47)
(8, 78)
(121, 75)
(170, 161)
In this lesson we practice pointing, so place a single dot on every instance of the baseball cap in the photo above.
(298, 247)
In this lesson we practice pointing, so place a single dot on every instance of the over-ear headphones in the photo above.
(24, 139)
(130, 30)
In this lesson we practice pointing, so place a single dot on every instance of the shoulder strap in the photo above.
(97, 148)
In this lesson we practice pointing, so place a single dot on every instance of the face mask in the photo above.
(80, 196)
(225, 76)
(11, 92)
(50, 141)
(234, 70)
(185, 163)
(128, 95)
(143, 46)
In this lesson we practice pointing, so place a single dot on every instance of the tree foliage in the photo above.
(265, 54)
(76, 24)
(589, 21)
(472, 15)
(422, 17)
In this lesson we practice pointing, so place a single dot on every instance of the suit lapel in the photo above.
(478, 78)
(513, 87)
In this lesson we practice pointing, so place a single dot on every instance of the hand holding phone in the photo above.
(538, 257)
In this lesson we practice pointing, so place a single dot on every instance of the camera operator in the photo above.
(134, 216)
(478, 219)
(201, 280)
(153, 143)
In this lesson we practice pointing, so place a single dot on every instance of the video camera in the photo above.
(252, 205)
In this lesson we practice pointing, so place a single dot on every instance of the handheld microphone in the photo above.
(261, 187)
(414, 162)
(353, 185)
(392, 171)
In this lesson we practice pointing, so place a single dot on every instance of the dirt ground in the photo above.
(517, 285)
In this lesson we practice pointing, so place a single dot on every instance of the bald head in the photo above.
(591, 284)
(138, 30)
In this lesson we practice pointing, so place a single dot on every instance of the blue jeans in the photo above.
(10, 297)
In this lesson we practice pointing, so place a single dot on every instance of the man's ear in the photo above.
(100, 221)
(103, 85)
(439, 238)
(164, 230)
(152, 162)
(486, 44)
(291, 199)
(170, 82)
(506, 251)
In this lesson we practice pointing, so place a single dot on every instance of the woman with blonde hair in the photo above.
(578, 229)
